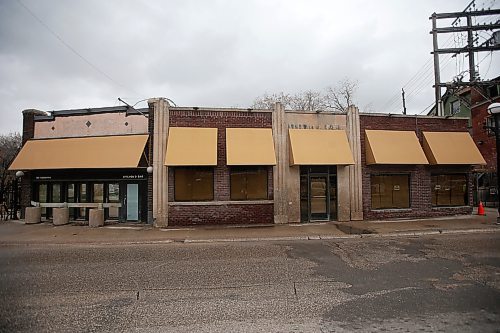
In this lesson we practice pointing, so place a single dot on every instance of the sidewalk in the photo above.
(17, 233)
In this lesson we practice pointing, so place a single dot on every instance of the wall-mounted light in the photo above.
(149, 169)
(19, 174)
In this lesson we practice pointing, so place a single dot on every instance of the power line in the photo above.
(72, 49)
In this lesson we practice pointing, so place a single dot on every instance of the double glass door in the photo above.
(318, 194)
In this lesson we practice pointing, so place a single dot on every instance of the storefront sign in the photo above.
(43, 177)
(133, 177)
(306, 126)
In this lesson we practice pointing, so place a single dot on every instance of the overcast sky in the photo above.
(58, 55)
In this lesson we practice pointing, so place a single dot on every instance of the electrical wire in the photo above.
(72, 49)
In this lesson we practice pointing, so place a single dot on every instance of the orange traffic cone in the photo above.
(480, 209)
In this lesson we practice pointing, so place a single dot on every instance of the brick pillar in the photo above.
(26, 182)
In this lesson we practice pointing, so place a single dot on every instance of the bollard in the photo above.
(33, 215)
(96, 218)
(60, 216)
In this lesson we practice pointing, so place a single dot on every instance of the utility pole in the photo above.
(437, 73)
(404, 102)
(469, 48)
(470, 45)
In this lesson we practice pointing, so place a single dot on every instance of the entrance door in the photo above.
(318, 197)
(132, 202)
(318, 193)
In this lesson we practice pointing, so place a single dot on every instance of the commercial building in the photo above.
(244, 166)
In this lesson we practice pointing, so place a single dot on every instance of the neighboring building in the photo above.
(484, 137)
(243, 166)
(455, 103)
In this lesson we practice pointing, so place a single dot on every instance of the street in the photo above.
(448, 283)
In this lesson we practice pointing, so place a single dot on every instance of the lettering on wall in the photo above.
(133, 177)
(306, 126)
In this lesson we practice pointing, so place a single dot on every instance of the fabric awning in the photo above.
(191, 146)
(103, 152)
(319, 147)
(451, 148)
(393, 147)
(250, 146)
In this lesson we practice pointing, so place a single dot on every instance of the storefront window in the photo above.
(449, 190)
(82, 197)
(56, 192)
(390, 191)
(193, 184)
(98, 194)
(42, 197)
(248, 183)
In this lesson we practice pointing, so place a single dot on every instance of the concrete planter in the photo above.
(60, 216)
(33, 215)
(96, 218)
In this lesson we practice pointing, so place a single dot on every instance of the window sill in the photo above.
(390, 210)
(221, 203)
(451, 207)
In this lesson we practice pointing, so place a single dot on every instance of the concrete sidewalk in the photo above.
(16, 232)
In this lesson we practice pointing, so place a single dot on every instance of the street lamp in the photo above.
(19, 174)
(494, 110)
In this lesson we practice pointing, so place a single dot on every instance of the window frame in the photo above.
(408, 175)
(194, 168)
(247, 170)
(466, 197)
(458, 105)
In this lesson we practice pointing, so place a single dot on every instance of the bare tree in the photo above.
(309, 100)
(267, 101)
(9, 147)
(341, 96)
(337, 98)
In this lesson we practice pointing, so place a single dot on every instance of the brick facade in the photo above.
(230, 212)
(420, 175)
(484, 140)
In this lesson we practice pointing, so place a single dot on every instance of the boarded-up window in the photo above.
(449, 190)
(248, 183)
(390, 191)
(193, 184)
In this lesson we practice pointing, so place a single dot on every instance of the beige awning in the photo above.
(393, 147)
(250, 146)
(451, 148)
(188, 146)
(319, 147)
(103, 152)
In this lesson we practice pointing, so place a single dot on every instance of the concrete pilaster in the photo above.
(355, 171)
(160, 172)
(343, 197)
(280, 134)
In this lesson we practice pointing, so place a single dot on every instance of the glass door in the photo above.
(132, 202)
(113, 197)
(318, 197)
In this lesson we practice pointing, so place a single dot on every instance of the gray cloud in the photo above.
(211, 53)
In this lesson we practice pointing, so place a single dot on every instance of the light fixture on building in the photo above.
(19, 174)
(149, 169)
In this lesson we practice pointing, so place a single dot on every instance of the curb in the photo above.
(261, 239)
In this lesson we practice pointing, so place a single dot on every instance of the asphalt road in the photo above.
(425, 284)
